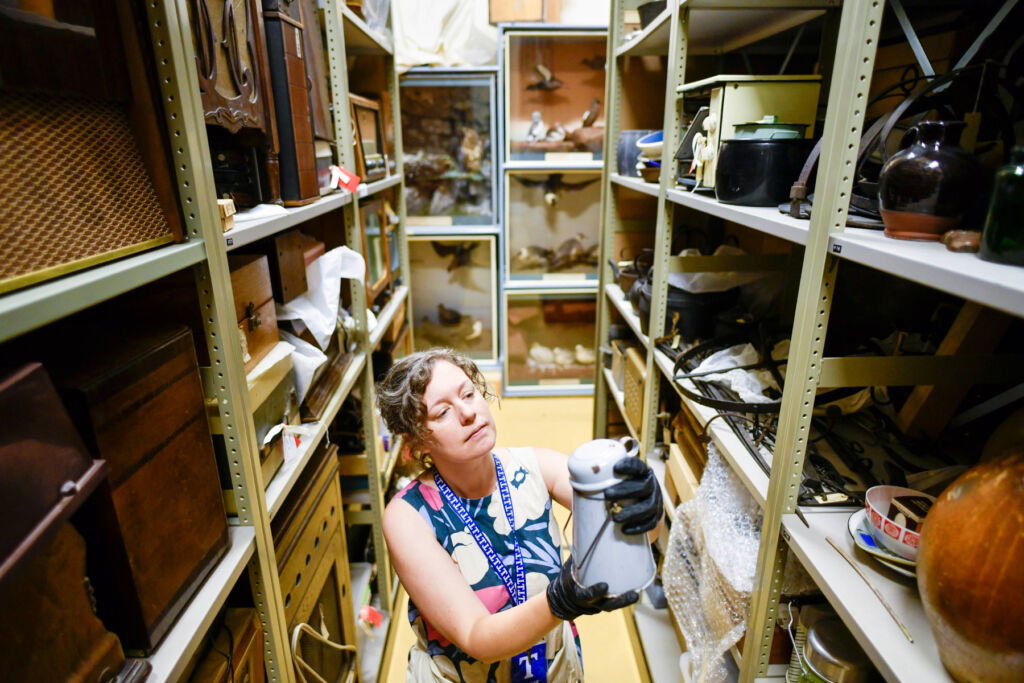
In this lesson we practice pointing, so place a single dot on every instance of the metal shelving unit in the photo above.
(205, 252)
(710, 27)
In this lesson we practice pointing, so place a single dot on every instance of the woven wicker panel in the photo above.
(74, 188)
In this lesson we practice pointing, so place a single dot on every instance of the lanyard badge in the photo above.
(530, 665)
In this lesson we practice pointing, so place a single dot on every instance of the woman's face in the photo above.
(458, 419)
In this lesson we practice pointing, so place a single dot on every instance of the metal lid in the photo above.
(834, 654)
(590, 465)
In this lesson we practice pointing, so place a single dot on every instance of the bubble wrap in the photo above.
(710, 565)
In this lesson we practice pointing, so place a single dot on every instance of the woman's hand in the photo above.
(568, 600)
(641, 487)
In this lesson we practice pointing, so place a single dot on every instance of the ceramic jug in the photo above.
(925, 188)
(600, 549)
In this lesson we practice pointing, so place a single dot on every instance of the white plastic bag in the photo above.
(317, 308)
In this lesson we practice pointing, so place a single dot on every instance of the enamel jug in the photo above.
(600, 550)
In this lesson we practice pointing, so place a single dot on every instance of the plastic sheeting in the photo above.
(442, 33)
(710, 567)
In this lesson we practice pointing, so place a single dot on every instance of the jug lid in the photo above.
(591, 464)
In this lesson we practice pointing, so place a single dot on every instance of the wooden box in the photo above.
(254, 306)
(48, 631)
(138, 403)
(286, 263)
(40, 453)
(284, 24)
(633, 387)
(681, 481)
(619, 348)
(309, 543)
(240, 636)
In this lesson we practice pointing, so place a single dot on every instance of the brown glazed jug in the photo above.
(925, 188)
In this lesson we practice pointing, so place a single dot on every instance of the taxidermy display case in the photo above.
(447, 135)
(550, 338)
(552, 222)
(455, 300)
(554, 95)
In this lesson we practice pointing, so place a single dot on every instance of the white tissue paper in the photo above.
(317, 308)
(713, 282)
(306, 358)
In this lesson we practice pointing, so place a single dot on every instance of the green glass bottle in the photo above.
(1003, 238)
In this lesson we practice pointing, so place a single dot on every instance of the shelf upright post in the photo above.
(397, 150)
(343, 127)
(847, 101)
(674, 79)
(175, 62)
(609, 210)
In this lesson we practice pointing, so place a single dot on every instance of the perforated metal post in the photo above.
(848, 96)
(343, 127)
(678, 29)
(175, 62)
(609, 211)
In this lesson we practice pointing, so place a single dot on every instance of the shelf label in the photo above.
(568, 157)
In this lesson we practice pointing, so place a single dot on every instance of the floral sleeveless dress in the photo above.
(433, 658)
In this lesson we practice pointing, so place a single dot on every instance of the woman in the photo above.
(487, 603)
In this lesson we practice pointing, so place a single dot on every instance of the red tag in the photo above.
(371, 615)
(341, 177)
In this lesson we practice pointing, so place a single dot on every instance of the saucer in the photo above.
(860, 530)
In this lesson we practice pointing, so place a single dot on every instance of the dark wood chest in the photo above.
(254, 306)
(138, 403)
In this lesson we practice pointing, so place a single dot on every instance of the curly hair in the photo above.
(400, 393)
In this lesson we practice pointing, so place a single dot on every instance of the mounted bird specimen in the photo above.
(556, 133)
(591, 114)
(553, 185)
(547, 80)
(461, 253)
(572, 252)
(531, 257)
(596, 62)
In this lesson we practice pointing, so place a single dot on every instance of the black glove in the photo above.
(568, 600)
(641, 488)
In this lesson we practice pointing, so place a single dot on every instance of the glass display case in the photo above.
(549, 339)
(447, 134)
(554, 95)
(552, 225)
(454, 302)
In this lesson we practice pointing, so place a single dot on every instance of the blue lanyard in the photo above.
(517, 590)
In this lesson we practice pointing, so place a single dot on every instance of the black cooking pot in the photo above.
(697, 312)
(649, 11)
(627, 275)
(753, 172)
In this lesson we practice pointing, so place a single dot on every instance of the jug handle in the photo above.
(909, 138)
(632, 446)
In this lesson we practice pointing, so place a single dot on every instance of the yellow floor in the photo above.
(560, 423)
